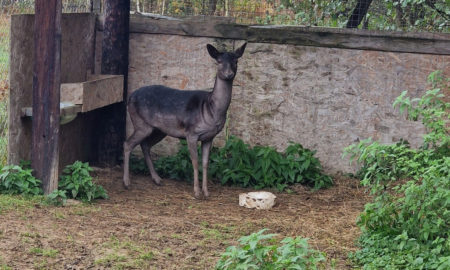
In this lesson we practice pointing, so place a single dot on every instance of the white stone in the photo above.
(258, 200)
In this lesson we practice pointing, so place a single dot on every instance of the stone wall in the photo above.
(324, 97)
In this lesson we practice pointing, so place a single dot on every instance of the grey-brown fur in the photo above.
(157, 111)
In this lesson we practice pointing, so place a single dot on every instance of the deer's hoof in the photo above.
(206, 194)
(158, 182)
(126, 186)
(198, 195)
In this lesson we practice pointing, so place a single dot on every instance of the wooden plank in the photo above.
(46, 84)
(65, 110)
(72, 92)
(21, 85)
(427, 43)
(77, 47)
(96, 6)
(99, 91)
(110, 133)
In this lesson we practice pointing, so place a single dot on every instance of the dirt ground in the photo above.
(164, 227)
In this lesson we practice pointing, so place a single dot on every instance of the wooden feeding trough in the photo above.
(97, 92)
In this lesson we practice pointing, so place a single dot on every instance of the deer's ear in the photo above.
(240, 51)
(212, 51)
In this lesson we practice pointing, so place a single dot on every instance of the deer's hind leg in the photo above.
(136, 138)
(155, 137)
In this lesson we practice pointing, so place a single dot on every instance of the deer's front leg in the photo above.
(206, 148)
(192, 146)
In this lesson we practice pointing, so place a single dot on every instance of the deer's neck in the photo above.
(220, 97)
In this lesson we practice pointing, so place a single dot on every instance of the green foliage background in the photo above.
(239, 164)
(407, 226)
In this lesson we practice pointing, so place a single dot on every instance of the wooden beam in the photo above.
(111, 131)
(46, 85)
(428, 43)
(115, 37)
(96, 6)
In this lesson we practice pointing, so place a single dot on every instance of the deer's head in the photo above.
(226, 61)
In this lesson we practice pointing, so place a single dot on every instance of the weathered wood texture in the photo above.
(77, 48)
(64, 111)
(98, 91)
(115, 37)
(46, 83)
(111, 130)
(437, 43)
(75, 139)
(21, 85)
(96, 6)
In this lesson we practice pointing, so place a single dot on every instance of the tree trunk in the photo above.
(111, 130)
(400, 17)
(226, 8)
(46, 92)
(358, 13)
(96, 6)
(212, 7)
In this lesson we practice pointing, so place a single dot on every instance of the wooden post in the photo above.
(96, 6)
(46, 84)
(111, 132)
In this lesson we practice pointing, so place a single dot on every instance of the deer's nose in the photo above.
(229, 75)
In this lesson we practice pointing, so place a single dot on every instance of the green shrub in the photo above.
(432, 111)
(383, 164)
(260, 251)
(410, 225)
(16, 180)
(138, 166)
(178, 166)
(263, 167)
(77, 182)
(57, 197)
(241, 165)
(407, 226)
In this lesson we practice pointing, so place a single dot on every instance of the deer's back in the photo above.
(166, 100)
(171, 110)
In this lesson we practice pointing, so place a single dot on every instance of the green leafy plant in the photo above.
(407, 225)
(263, 167)
(432, 111)
(57, 197)
(16, 180)
(384, 164)
(138, 166)
(178, 166)
(241, 165)
(260, 251)
(77, 182)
